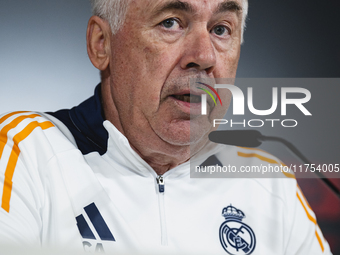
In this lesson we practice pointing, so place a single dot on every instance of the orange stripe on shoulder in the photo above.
(253, 149)
(254, 155)
(9, 115)
(320, 241)
(289, 175)
(310, 217)
(13, 159)
(268, 160)
(13, 124)
(304, 197)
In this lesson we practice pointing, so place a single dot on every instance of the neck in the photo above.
(161, 163)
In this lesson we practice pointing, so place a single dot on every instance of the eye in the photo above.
(170, 23)
(220, 30)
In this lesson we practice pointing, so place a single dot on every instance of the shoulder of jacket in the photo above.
(22, 146)
(36, 130)
(253, 157)
(19, 125)
(280, 183)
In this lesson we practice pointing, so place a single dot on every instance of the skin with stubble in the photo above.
(147, 66)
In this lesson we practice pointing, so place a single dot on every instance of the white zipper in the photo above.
(161, 190)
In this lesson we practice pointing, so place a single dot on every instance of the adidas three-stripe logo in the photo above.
(98, 223)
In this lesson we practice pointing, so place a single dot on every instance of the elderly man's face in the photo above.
(162, 44)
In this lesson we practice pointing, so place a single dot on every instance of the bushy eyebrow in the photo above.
(228, 6)
(175, 5)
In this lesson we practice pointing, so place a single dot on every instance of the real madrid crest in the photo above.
(236, 237)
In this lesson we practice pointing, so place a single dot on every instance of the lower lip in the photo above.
(190, 108)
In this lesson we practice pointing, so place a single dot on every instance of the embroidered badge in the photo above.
(236, 237)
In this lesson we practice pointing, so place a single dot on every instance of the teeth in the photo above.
(188, 98)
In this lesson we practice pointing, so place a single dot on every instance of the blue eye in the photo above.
(220, 30)
(170, 23)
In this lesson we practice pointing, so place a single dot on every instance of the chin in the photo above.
(186, 133)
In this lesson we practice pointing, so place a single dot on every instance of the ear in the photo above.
(98, 42)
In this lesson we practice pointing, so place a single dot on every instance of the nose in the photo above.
(199, 52)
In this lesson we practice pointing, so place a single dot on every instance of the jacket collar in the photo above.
(99, 135)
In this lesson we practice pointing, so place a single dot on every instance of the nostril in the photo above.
(192, 64)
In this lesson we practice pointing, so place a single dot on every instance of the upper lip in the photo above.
(188, 92)
(194, 92)
(184, 86)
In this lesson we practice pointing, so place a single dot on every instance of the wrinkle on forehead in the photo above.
(196, 6)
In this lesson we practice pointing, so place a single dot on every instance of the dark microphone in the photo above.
(253, 138)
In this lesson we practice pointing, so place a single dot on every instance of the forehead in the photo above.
(196, 7)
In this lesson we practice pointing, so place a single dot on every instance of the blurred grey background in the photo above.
(44, 67)
(43, 60)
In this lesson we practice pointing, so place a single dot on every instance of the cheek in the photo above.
(159, 61)
(234, 54)
(156, 66)
(227, 63)
(141, 79)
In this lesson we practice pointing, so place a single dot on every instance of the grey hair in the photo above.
(114, 11)
(245, 6)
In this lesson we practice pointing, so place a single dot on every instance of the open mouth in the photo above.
(188, 98)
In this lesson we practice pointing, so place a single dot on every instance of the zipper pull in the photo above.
(160, 182)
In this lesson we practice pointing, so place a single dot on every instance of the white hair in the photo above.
(244, 17)
(114, 11)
